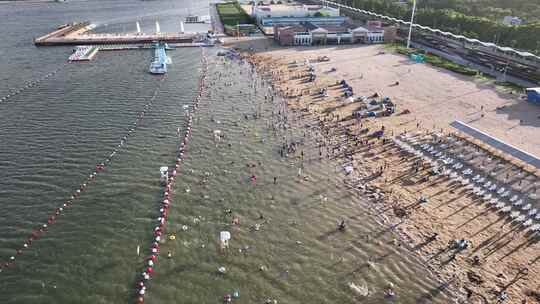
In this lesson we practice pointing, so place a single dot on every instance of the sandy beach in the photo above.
(503, 257)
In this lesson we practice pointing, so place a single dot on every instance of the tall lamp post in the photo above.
(411, 26)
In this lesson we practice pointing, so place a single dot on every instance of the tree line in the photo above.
(480, 19)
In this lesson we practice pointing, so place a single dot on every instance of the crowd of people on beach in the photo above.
(338, 139)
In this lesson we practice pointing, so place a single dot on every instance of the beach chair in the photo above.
(506, 209)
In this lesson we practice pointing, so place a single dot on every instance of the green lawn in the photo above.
(231, 13)
(435, 60)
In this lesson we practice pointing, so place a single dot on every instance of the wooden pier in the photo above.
(77, 34)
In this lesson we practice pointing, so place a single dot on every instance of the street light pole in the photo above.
(412, 21)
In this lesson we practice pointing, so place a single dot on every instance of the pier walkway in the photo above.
(77, 34)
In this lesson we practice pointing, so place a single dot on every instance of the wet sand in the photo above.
(508, 256)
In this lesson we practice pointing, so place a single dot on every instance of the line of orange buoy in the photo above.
(30, 84)
(43, 228)
(151, 259)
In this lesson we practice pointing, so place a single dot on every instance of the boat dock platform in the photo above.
(77, 34)
(84, 53)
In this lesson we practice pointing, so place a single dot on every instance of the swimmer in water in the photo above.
(342, 225)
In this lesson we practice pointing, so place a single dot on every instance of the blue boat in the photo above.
(159, 63)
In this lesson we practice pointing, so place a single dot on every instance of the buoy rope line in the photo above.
(100, 167)
(159, 228)
(31, 84)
